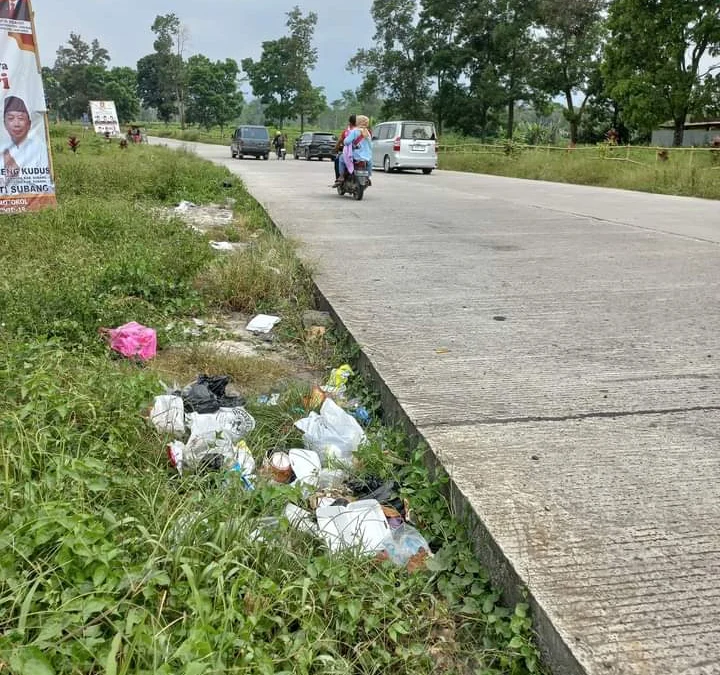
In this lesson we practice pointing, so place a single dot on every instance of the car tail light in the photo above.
(396, 146)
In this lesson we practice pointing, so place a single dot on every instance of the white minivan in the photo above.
(405, 145)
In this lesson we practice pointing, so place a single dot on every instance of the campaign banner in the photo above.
(26, 173)
(104, 117)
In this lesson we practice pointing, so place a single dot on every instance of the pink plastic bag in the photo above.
(133, 340)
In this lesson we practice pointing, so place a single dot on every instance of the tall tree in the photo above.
(441, 24)
(654, 58)
(396, 66)
(79, 75)
(212, 91)
(281, 79)
(570, 43)
(161, 75)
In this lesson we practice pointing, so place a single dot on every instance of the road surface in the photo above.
(558, 347)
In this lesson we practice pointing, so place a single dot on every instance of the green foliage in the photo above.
(280, 78)
(161, 75)
(395, 67)
(212, 94)
(569, 52)
(654, 59)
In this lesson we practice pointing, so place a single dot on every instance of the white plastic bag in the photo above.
(168, 415)
(333, 434)
(360, 525)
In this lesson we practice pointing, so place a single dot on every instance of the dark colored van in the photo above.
(250, 140)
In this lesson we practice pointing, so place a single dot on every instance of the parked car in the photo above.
(250, 140)
(405, 145)
(315, 144)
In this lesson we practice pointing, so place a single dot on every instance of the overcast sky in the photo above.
(218, 28)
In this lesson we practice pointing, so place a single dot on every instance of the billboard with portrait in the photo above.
(26, 173)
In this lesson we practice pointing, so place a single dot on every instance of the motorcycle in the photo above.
(355, 183)
(280, 152)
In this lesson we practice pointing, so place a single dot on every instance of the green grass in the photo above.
(685, 172)
(109, 562)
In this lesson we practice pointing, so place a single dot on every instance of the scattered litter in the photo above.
(442, 350)
(280, 468)
(305, 464)
(332, 434)
(132, 340)
(404, 543)
(315, 332)
(300, 519)
(359, 525)
(262, 323)
(222, 245)
(362, 415)
(315, 398)
(271, 399)
(337, 382)
(199, 322)
(207, 395)
(168, 415)
(184, 206)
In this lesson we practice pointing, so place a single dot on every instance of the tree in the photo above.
(78, 76)
(396, 67)
(155, 90)
(280, 78)
(570, 41)
(121, 86)
(654, 56)
(212, 91)
(161, 75)
(270, 79)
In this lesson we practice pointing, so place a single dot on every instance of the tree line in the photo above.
(628, 65)
(473, 66)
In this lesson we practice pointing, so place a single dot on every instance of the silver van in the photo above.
(405, 145)
(250, 140)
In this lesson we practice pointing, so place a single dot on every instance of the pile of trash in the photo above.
(366, 516)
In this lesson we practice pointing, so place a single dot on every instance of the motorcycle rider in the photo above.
(352, 123)
(279, 143)
(358, 145)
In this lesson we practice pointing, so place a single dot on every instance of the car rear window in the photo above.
(418, 131)
(259, 134)
(323, 137)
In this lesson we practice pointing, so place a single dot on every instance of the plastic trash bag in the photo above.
(404, 543)
(333, 434)
(360, 525)
(133, 340)
(168, 415)
(207, 395)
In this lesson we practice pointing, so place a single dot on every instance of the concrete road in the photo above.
(559, 348)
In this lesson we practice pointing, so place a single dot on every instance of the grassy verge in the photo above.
(684, 172)
(109, 562)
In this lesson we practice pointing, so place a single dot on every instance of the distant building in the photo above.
(696, 134)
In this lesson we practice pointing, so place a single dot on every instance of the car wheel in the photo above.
(386, 165)
(427, 172)
(266, 156)
(307, 154)
(233, 154)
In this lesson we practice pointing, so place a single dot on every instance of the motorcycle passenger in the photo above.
(352, 123)
(357, 146)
